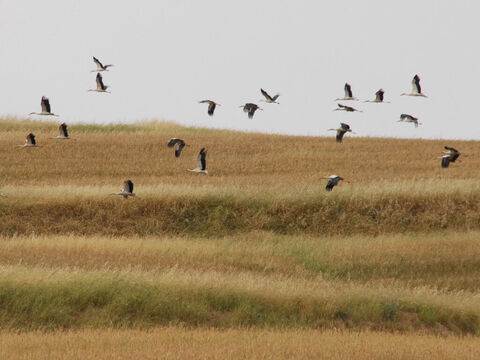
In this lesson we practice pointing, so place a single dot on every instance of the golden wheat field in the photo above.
(255, 260)
(179, 343)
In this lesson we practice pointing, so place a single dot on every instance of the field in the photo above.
(256, 253)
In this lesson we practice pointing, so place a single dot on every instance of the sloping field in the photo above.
(257, 248)
(257, 182)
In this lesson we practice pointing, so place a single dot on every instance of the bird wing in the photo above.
(445, 161)
(264, 93)
(345, 126)
(451, 149)
(45, 104)
(348, 91)
(202, 159)
(340, 134)
(31, 139)
(330, 185)
(62, 129)
(211, 108)
(249, 106)
(251, 112)
(128, 186)
(178, 152)
(275, 97)
(454, 153)
(174, 141)
(379, 95)
(99, 64)
(405, 117)
(416, 88)
(341, 106)
(100, 85)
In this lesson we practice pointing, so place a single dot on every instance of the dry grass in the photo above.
(107, 155)
(179, 343)
(258, 244)
(443, 261)
(399, 282)
(257, 182)
(340, 213)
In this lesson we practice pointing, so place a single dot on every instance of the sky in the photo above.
(170, 54)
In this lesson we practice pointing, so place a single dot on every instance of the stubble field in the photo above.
(255, 250)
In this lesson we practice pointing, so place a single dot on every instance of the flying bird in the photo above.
(451, 155)
(62, 133)
(409, 118)
(348, 93)
(101, 87)
(378, 97)
(179, 143)
(211, 106)
(46, 109)
(100, 66)
(346, 108)
(127, 189)
(344, 128)
(250, 108)
(201, 162)
(416, 88)
(268, 98)
(29, 141)
(333, 180)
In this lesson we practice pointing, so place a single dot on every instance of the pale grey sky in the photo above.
(169, 54)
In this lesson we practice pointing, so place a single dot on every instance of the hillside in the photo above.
(256, 182)
(257, 243)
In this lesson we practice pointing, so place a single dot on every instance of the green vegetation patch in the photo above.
(224, 215)
(109, 301)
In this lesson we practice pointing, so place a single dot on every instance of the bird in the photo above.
(46, 109)
(201, 162)
(250, 108)
(181, 144)
(211, 106)
(378, 97)
(3, 195)
(333, 180)
(451, 155)
(63, 133)
(127, 190)
(348, 93)
(268, 98)
(344, 128)
(101, 87)
(29, 141)
(409, 118)
(346, 108)
(100, 66)
(416, 88)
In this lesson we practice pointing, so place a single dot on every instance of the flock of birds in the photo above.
(450, 154)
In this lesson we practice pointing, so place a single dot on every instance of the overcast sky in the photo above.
(169, 54)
